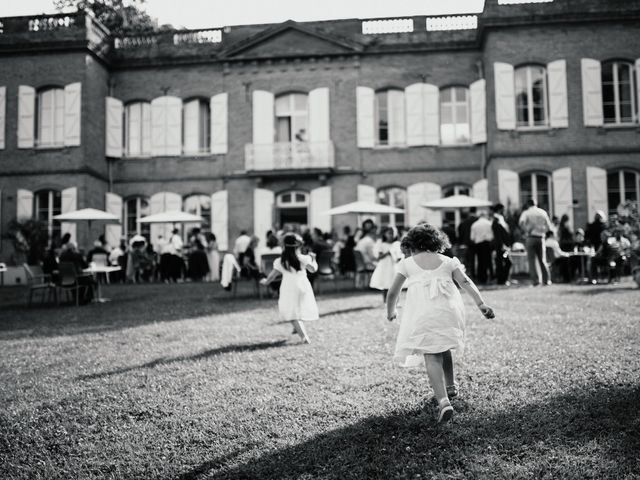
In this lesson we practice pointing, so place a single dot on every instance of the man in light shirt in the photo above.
(535, 223)
(482, 237)
(242, 243)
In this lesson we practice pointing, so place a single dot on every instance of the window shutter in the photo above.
(480, 189)
(431, 108)
(156, 205)
(505, 96)
(263, 129)
(478, 100)
(592, 93)
(397, 135)
(113, 142)
(320, 203)
(319, 115)
(596, 191)
(26, 116)
(146, 129)
(113, 205)
(419, 193)
(558, 108)
(509, 189)
(46, 122)
(69, 204)
(72, 114)
(562, 193)
(158, 126)
(174, 126)
(191, 120)
(365, 117)
(134, 122)
(366, 193)
(414, 115)
(219, 123)
(262, 213)
(173, 202)
(24, 201)
(220, 218)
(3, 109)
(638, 89)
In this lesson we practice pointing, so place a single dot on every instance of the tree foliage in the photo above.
(119, 16)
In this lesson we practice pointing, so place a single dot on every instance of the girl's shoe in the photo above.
(452, 390)
(445, 413)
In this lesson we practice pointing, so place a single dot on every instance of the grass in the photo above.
(183, 382)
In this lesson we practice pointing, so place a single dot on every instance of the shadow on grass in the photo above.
(597, 290)
(584, 434)
(214, 352)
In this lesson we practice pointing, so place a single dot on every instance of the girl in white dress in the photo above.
(388, 255)
(432, 324)
(297, 302)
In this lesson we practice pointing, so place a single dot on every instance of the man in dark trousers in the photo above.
(502, 243)
(464, 237)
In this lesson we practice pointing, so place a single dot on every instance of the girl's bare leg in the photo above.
(447, 365)
(435, 372)
(384, 296)
(302, 331)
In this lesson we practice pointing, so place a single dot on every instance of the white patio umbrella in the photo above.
(87, 214)
(363, 208)
(175, 216)
(456, 201)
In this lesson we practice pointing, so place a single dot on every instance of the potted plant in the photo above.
(30, 239)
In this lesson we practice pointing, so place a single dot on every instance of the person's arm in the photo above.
(311, 265)
(392, 296)
(465, 282)
(273, 274)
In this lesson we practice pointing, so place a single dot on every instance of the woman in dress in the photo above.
(388, 255)
(213, 256)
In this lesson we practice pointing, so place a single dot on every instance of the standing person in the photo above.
(565, 234)
(501, 243)
(175, 250)
(367, 243)
(347, 260)
(464, 237)
(535, 223)
(241, 244)
(481, 236)
(433, 317)
(213, 256)
(297, 303)
(387, 258)
(593, 233)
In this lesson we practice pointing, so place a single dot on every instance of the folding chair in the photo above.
(37, 280)
(69, 280)
(326, 268)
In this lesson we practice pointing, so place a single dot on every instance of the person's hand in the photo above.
(263, 282)
(393, 316)
(486, 310)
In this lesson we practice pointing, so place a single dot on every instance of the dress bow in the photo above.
(437, 285)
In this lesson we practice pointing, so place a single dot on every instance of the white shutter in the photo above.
(596, 191)
(26, 116)
(156, 205)
(480, 189)
(3, 105)
(158, 126)
(397, 135)
(262, 213)
(419, 193)
(638, 87)
(319, 115)
(509, 189)
(191, 120)
(219, 123)
(505, 96)
(562, 193)
(558, 106)
(366, 193)
(365, 117)
(113, 141)
(72, 114)
(592, 93)
(172, 202)
(146, 128)
(431, 108)
(320, 203)
(69, 204)
(174, 126)
(220, 218)
(478, 101)
(263, 117)
(24, 201)
(112, 231)
(414, 114)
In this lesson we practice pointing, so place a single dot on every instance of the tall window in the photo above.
(134, 209)
(292, 118)
(538, 187)
(50, 118)
(292, 209)
(452, 218)
(137, 129)
(47, 204)
(531, 96)
(394, 197)
(622, 186)
(198, 205)
(389, 118)
(618, 93)
(196, 126)
(454, 116)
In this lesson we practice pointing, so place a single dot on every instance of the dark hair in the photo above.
(272, 241)
(498, 208)
(383, 233)
(289, 257)
(427, 238)
(530, 203)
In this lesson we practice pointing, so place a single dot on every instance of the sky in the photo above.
(218, 13)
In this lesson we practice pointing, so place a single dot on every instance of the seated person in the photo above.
(97, 249)
(556, 257)
(70, 254)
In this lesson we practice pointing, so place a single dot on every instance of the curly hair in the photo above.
(427, 238)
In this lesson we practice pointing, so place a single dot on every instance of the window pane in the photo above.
(300, 197)
(609, 112)
(283, 129)
(286, 198)
(300, 102)
(462, 113)
(382, 115)
(447, 134)
(630, 186)
(461, 94)
(463, 134)
(445, 95)
(446, 114)
(283, 105)
(204, 140)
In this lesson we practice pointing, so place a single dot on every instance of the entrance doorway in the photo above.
(292, 209)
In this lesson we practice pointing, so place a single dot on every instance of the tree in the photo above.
(119, 16)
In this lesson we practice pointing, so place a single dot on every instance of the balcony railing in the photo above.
(289, 156)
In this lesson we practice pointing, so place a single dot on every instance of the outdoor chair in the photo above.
(363, 271)
(266, 266)
(68, 281)
(326, 268)
(238, 277)
(37, 280)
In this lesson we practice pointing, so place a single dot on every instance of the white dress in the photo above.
(382, 276)
(297, 301)
(433, 316)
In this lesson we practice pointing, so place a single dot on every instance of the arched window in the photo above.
(292, 208)
(47, 204)
(196, 125)
(538, 187)
(454, 116)
(452, 218)
(394, 197)
(198, 205)
(622, 186)
(137, 129)
(50, 118)
(618, 93)
(389, 117)
(531, 96)
(292, 117)
(134, 209)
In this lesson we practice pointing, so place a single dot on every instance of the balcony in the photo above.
(289, 156)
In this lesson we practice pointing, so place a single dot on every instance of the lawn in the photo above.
(184, 382)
